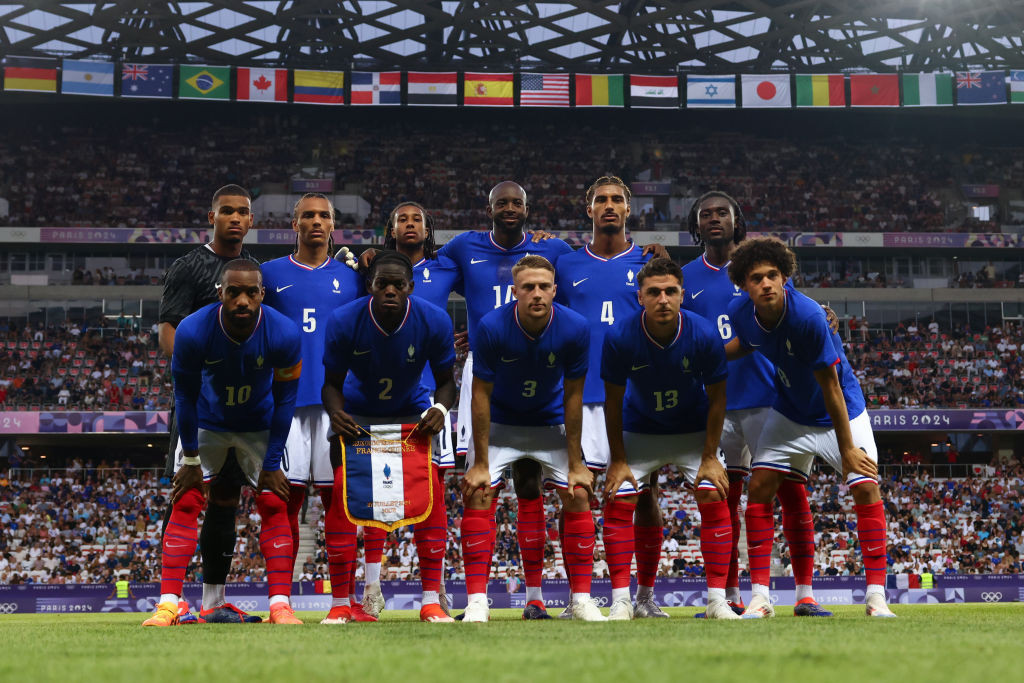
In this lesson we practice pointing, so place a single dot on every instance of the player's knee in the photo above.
(224, 494)
(866, 493)
(479, 499)
(268, 503)
(704, 496)
(763, 486)
(577, 500)
(191, 503)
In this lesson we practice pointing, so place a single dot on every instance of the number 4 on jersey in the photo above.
(607, 316)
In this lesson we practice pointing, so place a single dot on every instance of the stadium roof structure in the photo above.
(581, 35)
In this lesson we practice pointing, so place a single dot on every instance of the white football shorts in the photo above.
(544, 444)
(647, 453)
(594, 439)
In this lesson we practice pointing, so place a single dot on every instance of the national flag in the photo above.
(655, 92)
(928, 90)
(204, 82)
(147, 80)
(874, 90)
(980, 87)
(710, 92)
(437, 89)
(596, 90)
(376, 87)
(1016, 87)
(766, 91)
(30, 74)
(388, 479)
(544, 90)
(319, 87)
(87, 78)
(820, 90)
(488, 90)
(261, 85)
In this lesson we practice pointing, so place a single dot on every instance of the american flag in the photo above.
(544, 90)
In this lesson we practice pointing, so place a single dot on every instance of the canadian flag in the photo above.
(262, 85)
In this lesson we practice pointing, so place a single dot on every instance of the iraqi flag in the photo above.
(262, 85)
(766, 91)
(387, 478)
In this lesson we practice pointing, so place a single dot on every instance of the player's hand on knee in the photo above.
(474, 479)
(618, 473)
(343, 425)
(187, 477)
(712, 472)
(856, 460)
(581, 478)
(275, 482)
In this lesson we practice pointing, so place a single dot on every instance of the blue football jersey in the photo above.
(602, 290)
(384, 369)
(434, 280)
(526, 371)
(798, 345)
(234, 380)
(486, 269)
(664, 384)
(308, 296)
(709, 291)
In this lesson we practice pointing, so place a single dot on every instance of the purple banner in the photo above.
(949, 419)
(72, 422)
(978, 190)
(951, 240)
(324, 185)
(124, 235)
(651, 189)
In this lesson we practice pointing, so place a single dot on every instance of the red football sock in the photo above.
(798, 528)
(871, 534)
(579, 550)
(326, 497)
(180, 540)
(715, 541)
(340, 541)
(430, 539)
(736, 517)
(618, 541)
(531, 529)
(561, 542)
(297, 495)
(760, 534)
(477, 544)
(373, 544)
(647, 545)
(275, 542)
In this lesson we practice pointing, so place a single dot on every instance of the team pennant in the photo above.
(387, 477)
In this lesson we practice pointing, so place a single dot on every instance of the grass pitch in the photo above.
(927, 643)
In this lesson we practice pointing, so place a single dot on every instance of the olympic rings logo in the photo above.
(8, 607)
(993, 596)
(246, 605)
(600, 601)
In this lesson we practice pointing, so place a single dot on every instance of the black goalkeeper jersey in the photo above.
(191, 283)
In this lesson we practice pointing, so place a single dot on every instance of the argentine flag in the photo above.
(87, 78)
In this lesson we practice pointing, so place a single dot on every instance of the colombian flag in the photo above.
(488, 90)
(319, 87)
(29, 74)
(387, 477)
(594, 90)
(820, 90)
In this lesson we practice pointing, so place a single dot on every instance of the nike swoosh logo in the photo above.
(722, 534)
(531, 540)
(436, 551)
(578, 282)
(175, 547)
(873, 549)
(361, 353)
(281, 289)
(213, 362)
(474, 261)
(696, 294)
(755, 346)
(586, 547)
(281, 545)
(473, 544)
(639, 367)
(508, 360)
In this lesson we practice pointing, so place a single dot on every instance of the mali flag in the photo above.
(488, 90)
(820, 90)
(30, 74)
(204, 82)
(593, 90)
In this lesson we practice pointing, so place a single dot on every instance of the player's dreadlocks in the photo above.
(739, 222)
(390, 242)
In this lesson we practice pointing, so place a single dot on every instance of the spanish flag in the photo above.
(488, 90)
(820, 90)
(594, 90)
(30, 74)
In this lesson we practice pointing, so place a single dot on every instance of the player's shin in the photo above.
(760, 518)
(276, 545)
(715, 544)
(217, 548)
(531, 529)
(296, 497)
(340, 542)
(579, 551)
(477, 542)
(373, 551)
(732, 582)
(618, 544)
(647, 545)
(872, 537)
(179, 543)
(430, 537)
(798, 529)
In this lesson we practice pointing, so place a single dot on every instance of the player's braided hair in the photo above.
(761, 250)
(739, 222)
(391, 242)
(334, 218)
(659, 266)
(608, 180)
(389, 256)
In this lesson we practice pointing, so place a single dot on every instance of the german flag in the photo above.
(30, 74)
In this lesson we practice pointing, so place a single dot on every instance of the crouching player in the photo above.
(374, 355)
(530, 361)
(818, 412)
(236, 368)
(664, 374)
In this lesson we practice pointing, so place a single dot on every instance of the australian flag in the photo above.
(147, 80)
(388, 477)
(980, 87)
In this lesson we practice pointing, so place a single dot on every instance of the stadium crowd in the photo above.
(92, 523)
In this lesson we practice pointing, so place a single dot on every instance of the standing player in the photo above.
(531, 360)
(817, 413)
(307, 287)
(716, 223)
(374, 356)
(665, 381)
(236, 367)
(191, 283)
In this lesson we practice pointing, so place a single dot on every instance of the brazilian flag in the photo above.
(204, 82)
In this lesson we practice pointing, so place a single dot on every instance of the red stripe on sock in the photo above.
(798, 528)
(373, 544)
(618, 541)
(430, 537)
(760, 534)
(340, 542)
(715, 541)
(477, 545)
(275, 542)
(579, 550)
(180, 540)
(872, 536)
(531, 529)
(647, 546)
(736, 518)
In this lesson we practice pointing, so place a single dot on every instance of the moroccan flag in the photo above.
(30, 74)
(594, 90)
(488, 90)
(928, 90)
(820, 90)
(387, 476)
(319, 87)
(204, 82)
(656, 92)
(261, 85)
(874, 90)
(87, 78)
